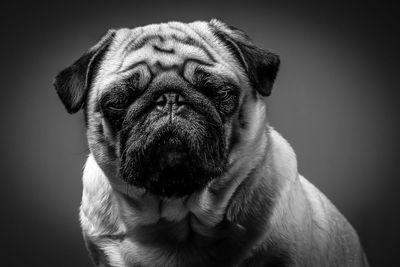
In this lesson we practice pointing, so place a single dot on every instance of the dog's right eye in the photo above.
(116, 100)
(114, 105)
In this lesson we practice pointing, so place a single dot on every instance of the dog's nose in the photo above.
(170, 102)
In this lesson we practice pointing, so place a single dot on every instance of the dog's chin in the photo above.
(171, 169)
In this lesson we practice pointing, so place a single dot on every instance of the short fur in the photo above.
(183, 168)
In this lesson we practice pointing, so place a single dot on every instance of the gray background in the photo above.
(334, 100)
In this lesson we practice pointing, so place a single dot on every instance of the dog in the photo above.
(184, 169)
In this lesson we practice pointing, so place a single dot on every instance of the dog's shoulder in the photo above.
(332, 231)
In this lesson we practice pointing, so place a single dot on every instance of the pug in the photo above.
(184, 169)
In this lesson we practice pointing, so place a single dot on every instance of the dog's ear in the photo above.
(261, 65)
(72, 83)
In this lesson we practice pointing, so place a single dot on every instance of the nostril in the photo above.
(173, 100)
(180, 100)
(161, 101)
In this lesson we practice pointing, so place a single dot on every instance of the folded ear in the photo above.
(72, 83)
(260, 65)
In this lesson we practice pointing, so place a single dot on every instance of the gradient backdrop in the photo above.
(334, 100)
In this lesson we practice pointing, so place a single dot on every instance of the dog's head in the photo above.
(166, 104)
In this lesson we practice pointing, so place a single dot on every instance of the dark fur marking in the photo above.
(242, 122)
(162, 67)
(190, 41)
(195, 43)
(136, 45)
(99, 129)
(187, 40)
(168, 51)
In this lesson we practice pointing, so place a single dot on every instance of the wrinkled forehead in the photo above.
(174, 46)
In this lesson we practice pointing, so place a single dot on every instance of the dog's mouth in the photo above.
(170, 153)
(168, 167)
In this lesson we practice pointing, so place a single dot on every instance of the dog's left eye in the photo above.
(224, 94)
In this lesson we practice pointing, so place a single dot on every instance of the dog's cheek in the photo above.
(102, 140)
(228, 134)
(229, 114)
(239, 121)
(113, 120)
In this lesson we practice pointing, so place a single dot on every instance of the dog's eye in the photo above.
(112, 107)
(116, 101)
(224, 94)
(115, 106)
(225, 99)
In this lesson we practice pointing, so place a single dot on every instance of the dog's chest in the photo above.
(161, 244)
(126, 241)
(129, 235)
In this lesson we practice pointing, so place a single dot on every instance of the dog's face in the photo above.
(166, 104)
